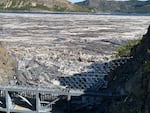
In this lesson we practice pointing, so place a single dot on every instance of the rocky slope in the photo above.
(38, 5)
(142, 49)
(131, 6)
(134, 79)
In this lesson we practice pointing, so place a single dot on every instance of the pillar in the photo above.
(38, 103)
(8, 102)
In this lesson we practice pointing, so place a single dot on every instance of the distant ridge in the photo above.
(40, 5)
(131, 6)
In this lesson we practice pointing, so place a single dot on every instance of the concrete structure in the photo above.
(10, 93)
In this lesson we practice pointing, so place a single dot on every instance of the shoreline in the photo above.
(75, 13)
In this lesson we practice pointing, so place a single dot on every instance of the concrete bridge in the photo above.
(11, 94)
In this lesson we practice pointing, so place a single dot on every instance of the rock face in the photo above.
(7, 66)
(144, 47)
(49, 3)
(92, 3)
(134, 79)
(131, 6)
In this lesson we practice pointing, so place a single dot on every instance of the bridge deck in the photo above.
(36, 91)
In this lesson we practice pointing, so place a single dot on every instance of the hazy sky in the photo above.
(76, 0)
(83, 0)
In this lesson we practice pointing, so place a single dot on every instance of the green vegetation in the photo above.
(124, 50)
(147, 66)
(1, 6)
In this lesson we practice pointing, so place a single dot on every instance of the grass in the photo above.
(124, 50)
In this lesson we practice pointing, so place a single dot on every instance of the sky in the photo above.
(83, 0)
(75, 1)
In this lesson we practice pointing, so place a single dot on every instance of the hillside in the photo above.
(132, 6)
(40, 5)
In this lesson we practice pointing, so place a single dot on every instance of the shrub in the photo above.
(124, 50)
(147, 66)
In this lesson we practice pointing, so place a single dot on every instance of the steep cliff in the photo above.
(143, 48)
(134, 79)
